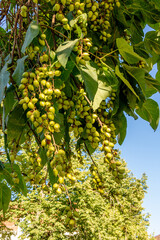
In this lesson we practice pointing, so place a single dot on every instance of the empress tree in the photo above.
(73, 69)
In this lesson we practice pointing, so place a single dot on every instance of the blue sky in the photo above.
(141, 152)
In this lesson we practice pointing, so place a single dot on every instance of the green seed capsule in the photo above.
(36, 83)
(39, 130)
(31, 87)
(25, 106)
(56, 7)
(31, 105)
(21, 86)
(43, 36)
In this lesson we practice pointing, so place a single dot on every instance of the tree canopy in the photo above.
(116, 214)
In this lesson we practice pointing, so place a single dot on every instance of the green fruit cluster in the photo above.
(44, 97)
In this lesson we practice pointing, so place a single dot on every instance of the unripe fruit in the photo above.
(79, 12)
(94, 8)
(111, 144)
(57, 92)
(109, 155)
(64, 20)
(52, 109)
(57, 127)
(118, 4)
(31, 105)
(56, 7)
(43, 82)
(51, 116)
(42, 42)
(90, 14)
(32, 75)
(24, 8)
(34, 100)
(36, 48)
(59, 168)
(43, 143)
(25, 74)
(43, 36)
(69, 176)
(32, 118)
(55, 171)
(63, 2)
(107, 149)
(69, 214)
(72, 222)
(23, 14)
(61, 152)
(55, 185)
(26, 99)
(118, 163)
(21, 86)
(36, 124)
(21, 101)
(82, 61)
(108, 135)
(61, 180)
(71, 7)
(31, 87)
(36, 83)
(39, 130)
(57, 73)
(77, 59)
(89, 125)
(45, 58)
(41, 96)
(48, 137)
(59, 191)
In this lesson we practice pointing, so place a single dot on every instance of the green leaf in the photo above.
(4, 79)
(152, 42)
(121, 17)
(90, 78)
(42, 154)
(121, 127)
(89, 148)
(9, 100)
(7, 176)
(111, 78)
(156, 2)
(17, 75)
(53, 179)
(21, 186)
(82, 17)
(153, 83)
(137, 74)
(64, 50)
(103, 91)
(149, 111)
(21, 183)
(59, 118)
(68, 70)
(5, 197)
(120, 75)
(16, 124)
(127, 51)
(1, 166)
(32, 32)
